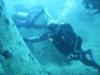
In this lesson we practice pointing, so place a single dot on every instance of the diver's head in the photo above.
(52, 26)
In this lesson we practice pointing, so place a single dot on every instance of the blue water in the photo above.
(87, 26)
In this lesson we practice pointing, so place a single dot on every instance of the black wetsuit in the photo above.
(64, 39)
(67, 42)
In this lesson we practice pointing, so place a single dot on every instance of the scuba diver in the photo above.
(67, 42)
(92, 4)
(64, 39)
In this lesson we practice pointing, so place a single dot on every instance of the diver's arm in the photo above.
(36, 38)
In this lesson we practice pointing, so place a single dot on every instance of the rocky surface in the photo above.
(15, 56)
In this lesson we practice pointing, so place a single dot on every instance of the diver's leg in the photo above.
(79, 54)
(88, 62)
(89, 52)
(79, 49)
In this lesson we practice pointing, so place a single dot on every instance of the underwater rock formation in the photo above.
(14, 53)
